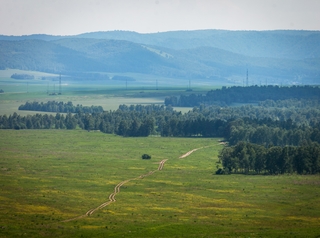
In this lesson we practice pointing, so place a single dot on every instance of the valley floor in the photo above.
(49, 177)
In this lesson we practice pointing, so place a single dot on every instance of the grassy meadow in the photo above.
(49, 176)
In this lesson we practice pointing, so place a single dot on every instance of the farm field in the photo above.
(107, 94)
(10, 102)
(49, 178)
(109, 99)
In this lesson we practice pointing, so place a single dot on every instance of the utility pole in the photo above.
(60, 84)
(247, 83)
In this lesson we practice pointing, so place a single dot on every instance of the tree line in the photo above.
(126, 121)
(258, 125)
(249, 158)
(229, 95)
(291, 103)
(22, 76)
(53, 106)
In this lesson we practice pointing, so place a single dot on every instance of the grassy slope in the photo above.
(51, 175)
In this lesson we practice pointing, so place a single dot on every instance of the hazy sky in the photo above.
(69, 17)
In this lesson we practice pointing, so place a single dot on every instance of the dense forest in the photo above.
(53, 106)
(252, 94)
(261, 125)
(252, 158)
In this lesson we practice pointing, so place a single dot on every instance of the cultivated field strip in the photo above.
(118, 186)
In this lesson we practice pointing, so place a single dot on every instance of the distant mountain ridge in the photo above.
(289, 56)
(276, 44)
(299, 44)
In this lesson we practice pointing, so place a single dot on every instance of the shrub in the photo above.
(146, 156)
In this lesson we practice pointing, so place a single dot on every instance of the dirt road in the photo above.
(116, 191)
(190, 152)
(112, 196)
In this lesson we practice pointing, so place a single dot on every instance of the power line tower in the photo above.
(60, 84)
(189, 88)
(247, 82)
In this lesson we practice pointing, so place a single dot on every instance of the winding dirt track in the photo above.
(191, 151)
(188, 153)
(118, 186)
(116, 191)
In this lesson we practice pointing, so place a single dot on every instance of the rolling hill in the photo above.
(274, 56)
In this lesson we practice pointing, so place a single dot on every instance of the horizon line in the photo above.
(160, 32)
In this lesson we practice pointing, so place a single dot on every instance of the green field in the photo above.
(106, 93)
(49, 176)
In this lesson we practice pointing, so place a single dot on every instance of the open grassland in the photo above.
(98, 95)
(106, 93)
(9, 103)
(49, 176)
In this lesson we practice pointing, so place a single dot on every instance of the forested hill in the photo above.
(211, 55)
(277, 44)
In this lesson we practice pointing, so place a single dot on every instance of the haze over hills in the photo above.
(213, 55)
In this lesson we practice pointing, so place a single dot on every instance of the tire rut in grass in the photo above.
(118, 186)
(116, 191)
(191, 151)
